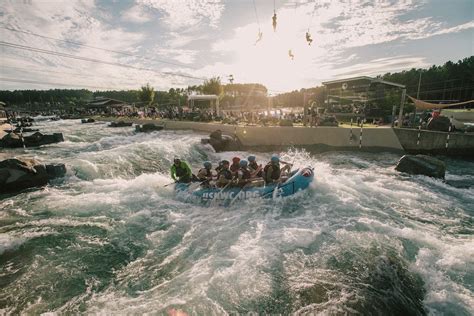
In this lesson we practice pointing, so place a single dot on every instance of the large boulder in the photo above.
(17, 174)
(422, 164)
(24, 130)
(39, 139)
(149, 127)
(222, 142)
(439, 123)
(120, 124)
(14, 140)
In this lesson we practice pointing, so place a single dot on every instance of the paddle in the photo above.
(195, 185)
(237, 195)
(169, 184)
(275, 192)
(218, 193)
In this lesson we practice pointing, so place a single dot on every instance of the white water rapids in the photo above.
(110, 238)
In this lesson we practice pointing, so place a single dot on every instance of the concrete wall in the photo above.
(432, 142)
(255, 136)
(329, 136)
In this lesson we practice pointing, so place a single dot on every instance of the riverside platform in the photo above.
(373, 139)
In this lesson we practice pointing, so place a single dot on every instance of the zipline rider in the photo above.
(180, 171)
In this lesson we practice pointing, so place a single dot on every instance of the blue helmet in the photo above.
(275, 159)
(243, 163)
(207, 164)
(251, 158)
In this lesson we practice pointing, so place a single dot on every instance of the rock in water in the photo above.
(120, 124)
(13, 140)
(440, 123)
(422, 164)
(56, 170)
(149, 127)
(18, 174)
(222, 142)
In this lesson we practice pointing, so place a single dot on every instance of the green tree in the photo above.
(212, 86)
(146, 94)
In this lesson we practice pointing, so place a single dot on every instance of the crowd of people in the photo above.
(240, 173)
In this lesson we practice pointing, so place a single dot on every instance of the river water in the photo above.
(110, 238)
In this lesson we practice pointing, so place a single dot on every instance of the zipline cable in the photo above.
(64, 55)
(95, 47)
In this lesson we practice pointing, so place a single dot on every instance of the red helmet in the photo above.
(236, 160)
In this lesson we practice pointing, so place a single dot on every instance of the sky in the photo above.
(125, 44)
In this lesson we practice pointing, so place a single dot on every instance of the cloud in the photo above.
(180, 14)
(378, 66)
(356, 37)
(136, 14)
(449, 30)
(337, 28)
(77, 21)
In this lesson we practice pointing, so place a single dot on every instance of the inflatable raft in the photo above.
(299, 180)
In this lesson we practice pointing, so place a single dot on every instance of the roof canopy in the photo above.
(422, 105)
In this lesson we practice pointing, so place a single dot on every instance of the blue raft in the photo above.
(299, 180)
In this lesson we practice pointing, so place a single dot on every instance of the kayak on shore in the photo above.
(299, 179)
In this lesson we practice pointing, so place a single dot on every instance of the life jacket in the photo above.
(208, 172)
(180, 171)
(234, 167)
(253, 165)
(245, 173)
(226, 173)
(275, 171)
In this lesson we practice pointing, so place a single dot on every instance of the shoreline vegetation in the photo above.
(449, 82)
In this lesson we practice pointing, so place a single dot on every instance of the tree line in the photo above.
(453, 81)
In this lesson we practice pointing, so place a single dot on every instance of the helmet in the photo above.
(177, 160)
(235, 159)
(243, 163)
(224, 162)
(251, 158)
(207, 164)
(275, 159)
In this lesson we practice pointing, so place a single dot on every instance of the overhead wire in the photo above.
(65, 55)
(29, 69)
(312, 15)
(95, 47)
(260, 34)
(53, 83)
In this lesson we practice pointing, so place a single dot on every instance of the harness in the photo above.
(234, 167)
(245, 174)
(275, 175)
(226, 173)
(180, 171)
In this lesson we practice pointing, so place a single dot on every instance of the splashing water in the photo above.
(109, 237)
